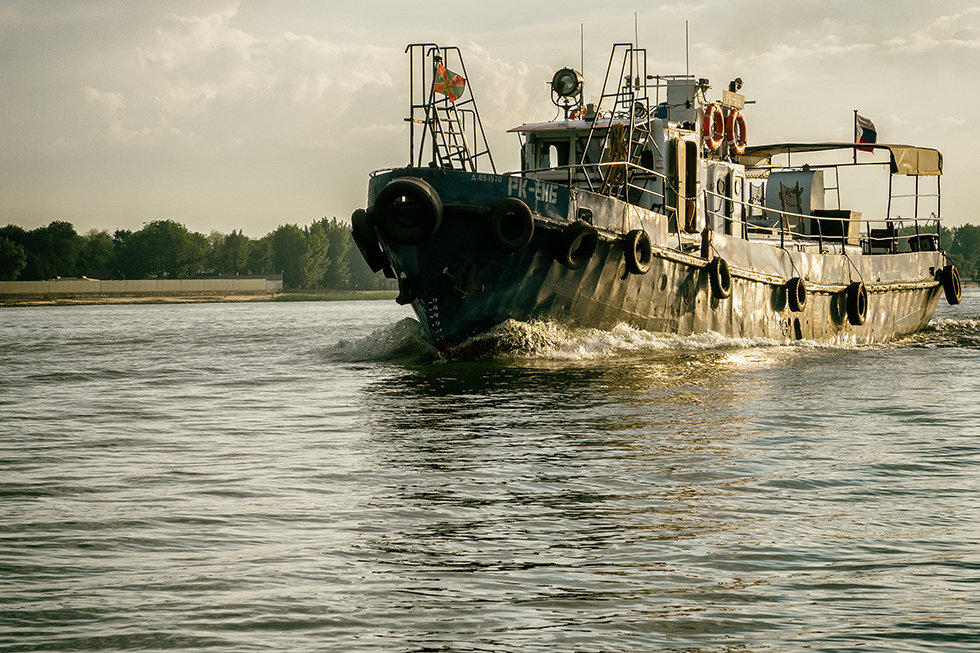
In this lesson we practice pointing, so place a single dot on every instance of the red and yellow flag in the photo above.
(449, 83)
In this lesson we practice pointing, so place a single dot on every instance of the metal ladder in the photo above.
(443, 142)
(630, 100)
(448, 133)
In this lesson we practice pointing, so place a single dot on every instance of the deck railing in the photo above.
(829, 231)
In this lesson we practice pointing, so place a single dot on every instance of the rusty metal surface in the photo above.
(674, 296)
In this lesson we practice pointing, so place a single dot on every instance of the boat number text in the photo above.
(517, 187)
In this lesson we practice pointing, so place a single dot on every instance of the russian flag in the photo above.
(864, 132)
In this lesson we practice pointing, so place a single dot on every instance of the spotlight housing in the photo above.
(567, 83)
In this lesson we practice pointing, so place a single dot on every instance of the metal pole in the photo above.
(687, 52)
(854, 134)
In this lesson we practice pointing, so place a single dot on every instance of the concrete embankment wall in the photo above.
(144, 287)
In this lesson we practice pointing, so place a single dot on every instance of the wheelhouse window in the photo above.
(552, 154)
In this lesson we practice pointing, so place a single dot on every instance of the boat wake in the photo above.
(947, 332)
(402, 342)
(552, 341)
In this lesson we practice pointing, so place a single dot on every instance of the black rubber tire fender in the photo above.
(511, 224)
(367, 240)
(796, 294)
(407, 211)
(857, 303)
(638, 251)
(719, 278)
(577, 244)
(952, 285)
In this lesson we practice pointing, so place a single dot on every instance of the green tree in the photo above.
(337, 273)
(964, 247)
(14, 234)
(212, 257)
(259, 259)
(289, 249)
(317, 249)
(128, 264)
(233, 253)
(164, 248)
(52, 251)
(13, 258)
(97, 257)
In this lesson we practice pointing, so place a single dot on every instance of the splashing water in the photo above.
(552, 341)
(405, 342)
(948, 332)
(402, 342)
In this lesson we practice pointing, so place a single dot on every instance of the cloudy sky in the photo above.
(248, 114)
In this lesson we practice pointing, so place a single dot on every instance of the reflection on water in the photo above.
(316, 478)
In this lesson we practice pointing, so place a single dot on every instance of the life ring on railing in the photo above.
(951, 285)
(638, 251)
(735, 132)
(713, 127)
(511, 224)
(576, 245)
(857, 303)
(796, 294)
(720, 278)
(408, 211)
(366, 240)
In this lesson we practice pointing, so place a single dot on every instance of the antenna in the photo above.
(687, 52)
(582, 45)
(636, 36)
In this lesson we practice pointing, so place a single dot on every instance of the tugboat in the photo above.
(649, 207)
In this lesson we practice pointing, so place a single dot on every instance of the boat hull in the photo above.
(461, 283)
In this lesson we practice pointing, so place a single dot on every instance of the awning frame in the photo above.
(904, 159)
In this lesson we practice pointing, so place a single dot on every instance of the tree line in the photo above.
(963, 246)
(321, 255)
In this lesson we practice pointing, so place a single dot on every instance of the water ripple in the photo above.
(314, 477)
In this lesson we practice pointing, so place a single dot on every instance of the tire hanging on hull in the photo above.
(576, 244)
(367, 241)
(408, 211)
(796, 294)
(511, 224)
(719, 278)
(952, 287)
(857, 303)
(638, 251)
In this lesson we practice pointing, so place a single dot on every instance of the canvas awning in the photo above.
(905, 159)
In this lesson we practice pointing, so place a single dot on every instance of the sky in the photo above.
(249, 114)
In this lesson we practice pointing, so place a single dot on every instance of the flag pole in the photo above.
(854, 134)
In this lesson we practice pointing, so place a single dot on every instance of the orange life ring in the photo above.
(735, 132)
(713, 127)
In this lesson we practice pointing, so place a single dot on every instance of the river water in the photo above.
(309, 477)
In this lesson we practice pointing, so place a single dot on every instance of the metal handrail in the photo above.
(869, 236)
(923, 226)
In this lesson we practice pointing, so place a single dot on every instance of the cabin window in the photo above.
(553, 155)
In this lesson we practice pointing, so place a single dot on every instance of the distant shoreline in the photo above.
(89, 300)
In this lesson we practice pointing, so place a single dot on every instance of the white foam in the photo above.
(948, 323)
(552, 341)
(403, 341)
